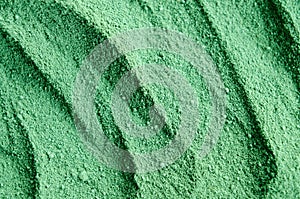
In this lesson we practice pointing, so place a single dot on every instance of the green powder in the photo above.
(255, 46)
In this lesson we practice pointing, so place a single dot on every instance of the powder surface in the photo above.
(255, 46)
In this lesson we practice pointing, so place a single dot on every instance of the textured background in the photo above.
(255, 46)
